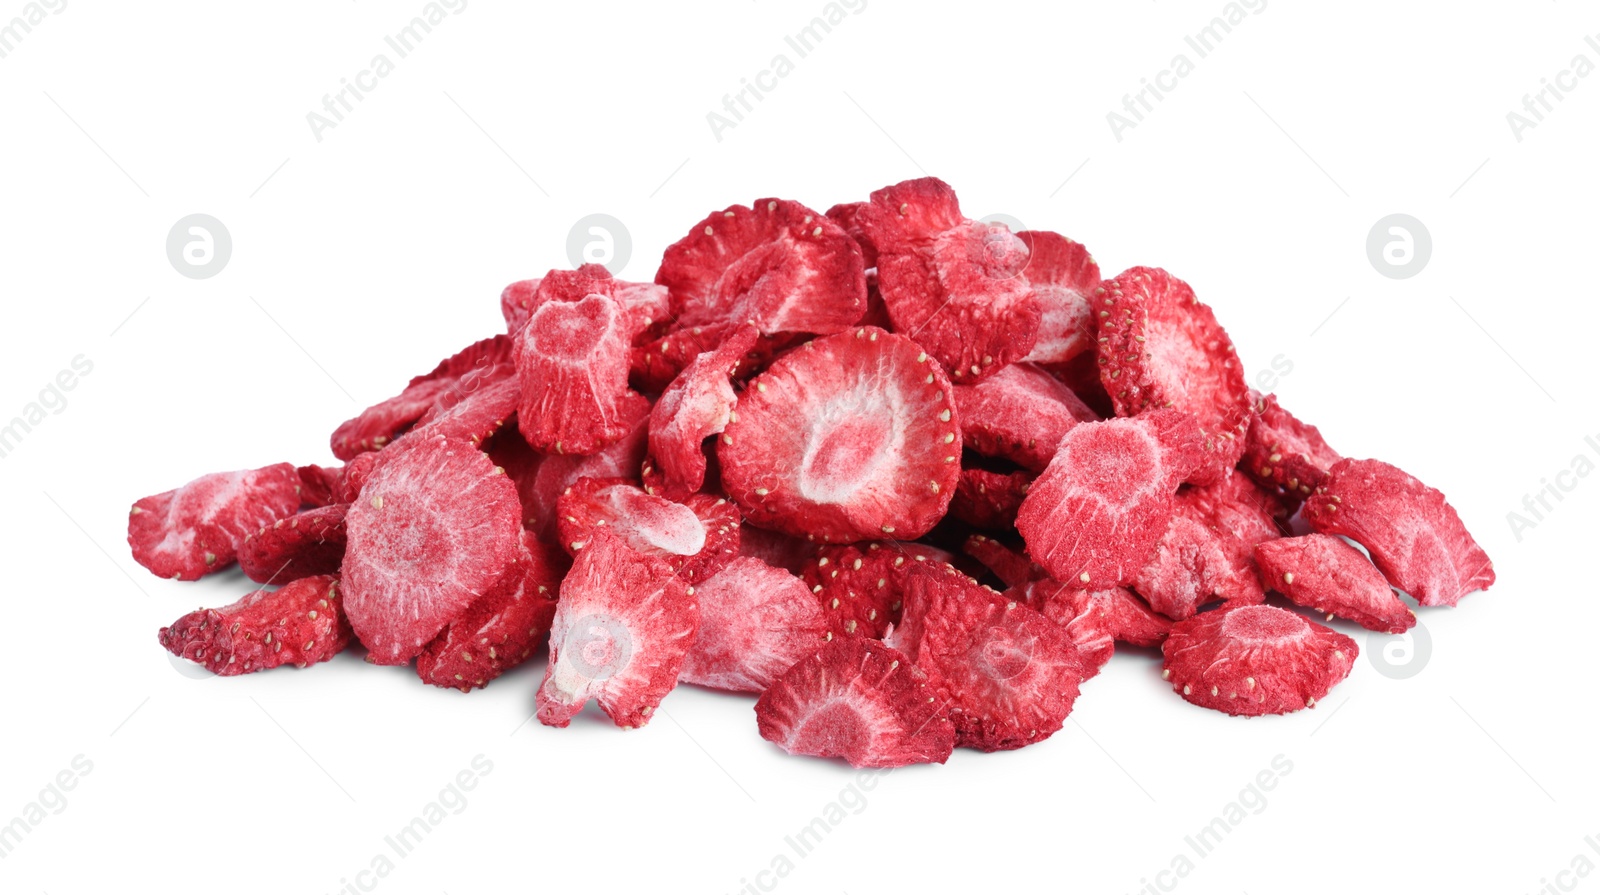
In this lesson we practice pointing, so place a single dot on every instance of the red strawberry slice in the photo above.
(298, 624)
(319, 485)
(355, 475)
(455, 376)
(572, 358)
(860, 701)
(755, 623)
(1324, 573)
(990, 500)
(1094, 516)
(303, 545)
(723, 528)
(1012, 567)
(849, 437)
(955, 285)
(622, 629)
(1412, 532)
(1160, 347)
(861, 586)
(541, 479)
(1208, 550)
(1010, 674)
(775, 548)
(643, 304)
(197, 529)
(1255, 660)
(1283, 453)
(1126, 617)
(437, 527)
(1020, 413)
(651, 525)
(501, 630)
(1064, 277)
(476, 411)
(848, 216)
(698, 404)
(777, 265)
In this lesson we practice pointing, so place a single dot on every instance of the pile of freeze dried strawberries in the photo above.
(906, 475)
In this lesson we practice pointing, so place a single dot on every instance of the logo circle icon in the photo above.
(598, 646)
(199, 246)
(600, 239)
(1399, 246)
(1400, 656)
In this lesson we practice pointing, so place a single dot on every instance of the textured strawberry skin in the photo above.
(300, 624)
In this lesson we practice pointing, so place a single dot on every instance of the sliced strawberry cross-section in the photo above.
(1255, 660)
(694, 538)
(1283, 453)
(755, 623)
(1412, 532)
(303, 545)
(572, 358)
(697, 404)
(436, 528)
(298, 624)
(541, 479)
(1064, 277)
(990, 500)
(860, 701)
(1207, 550)
(622, 629)
(643, 304)
(861, 586)
(1324, 573)
(1020, 414)
(454, 377)
(851, 436)
(197, 529)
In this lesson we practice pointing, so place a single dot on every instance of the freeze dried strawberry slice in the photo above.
(755, 623)
(1255, 660)
(861, 586)
(319, 485)
(501, 630)
(990, 500)
(858, 700)
(1094, 516)
(622, 629)
(1020, 413)
(517, 304)
(1009, 674)
(1281, 452)
(476, 411)
(1413, 534)
(955, 285)
(848, 216)
(455, 376)
(197, 529)
(1010, 566)
(848, 437)
(298, 624)
(697, 404)
(646, 523)
(1194, 564)
(1064, 277)
(435, 528)
(572, 358)
(301, 546)
(643, 304)
(541, 479)
(776, 548)
(778, 266)
(1160, 347)
(723, 528)
(1324, 573)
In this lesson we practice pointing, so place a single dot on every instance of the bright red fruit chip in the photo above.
(990, 500)
(1021, 413)
(298, 624)
(305, 544)
(1063, 276)
(572, 358)
(1255, 660)
(197, 529)
(454, 377)
(1283, 453)
(755, 622)
(1324, 573)
(698, 403)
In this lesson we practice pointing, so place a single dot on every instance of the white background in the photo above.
(361, 259)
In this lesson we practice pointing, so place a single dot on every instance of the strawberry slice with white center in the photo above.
(1255, 660)
(1021, 413)
(755, 622)
(572, 358)
(198, 529)
(1063, 276)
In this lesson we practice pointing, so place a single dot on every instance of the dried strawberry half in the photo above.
(455, 376)
(848, 437)
(501, 630)
(1281, 452)
(197, 529)
(436, 527)
(1160, 347)
(990, 500)
(572, 358)
(623, 626)
(697, 404)
(298, 624)
(955, 285)
(777, 265)
(860, 701)
(1009, 674)
(1020, 414)
(1094, 516)
(1324, 573)
(303, 545)
(755, 623)
(1063, 276)
(1412, 532)
(1255, 660)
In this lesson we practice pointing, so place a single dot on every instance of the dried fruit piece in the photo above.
(474, 411)
(301, 546)
(697, 404)
(860, 586)
(1010, 675)
(1324, 573)
(622, 629)
(517, 303)
(541, 479)
(197, 529)
(572, 358)
(1207, 551)
(436, 528)
(848, 216)
(849, 437)
(1094, 516)
(990, 500)
(319, 485)
(1283, 453)
(1021, 413)
(1160, 347)
(1064, 277)
(1012, 567)
(955, 285)
(502, 630)
(858, 700)
(299, 624)
(755, 623)
(355, 475)
(455, 376)
(1255, 660)
(723, 528)
(651, 525)
(1411, 531)
(643, 304)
